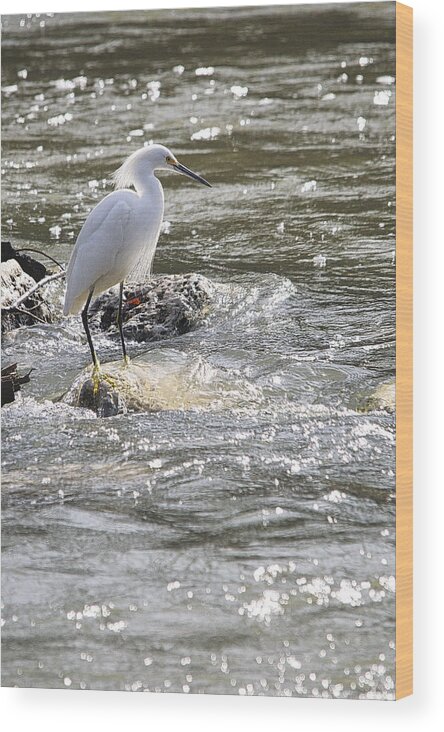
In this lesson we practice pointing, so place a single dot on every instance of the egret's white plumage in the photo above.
(120, 234)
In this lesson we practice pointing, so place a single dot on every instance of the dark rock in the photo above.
(101, 398)
(11, 382)
(31, 266)
(163, 307)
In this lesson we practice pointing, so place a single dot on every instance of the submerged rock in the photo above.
(163, 307)
(383, 398)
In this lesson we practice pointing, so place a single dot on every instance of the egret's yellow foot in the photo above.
(126, 360)
(109, 380)
(96, 377)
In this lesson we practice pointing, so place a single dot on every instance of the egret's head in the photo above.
(148, 159)
(165, 160)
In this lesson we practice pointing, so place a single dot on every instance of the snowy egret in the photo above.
(120, 235)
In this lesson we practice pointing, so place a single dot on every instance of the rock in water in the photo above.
(163, 307)
(31, 266)
(101, 397)
(383, 398)
(163, 379)
(138, 387)
(15, 283)
(120, 389)
(11, 382)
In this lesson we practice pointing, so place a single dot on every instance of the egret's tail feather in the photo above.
(74, 306)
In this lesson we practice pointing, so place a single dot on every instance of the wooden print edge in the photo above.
(404, 350)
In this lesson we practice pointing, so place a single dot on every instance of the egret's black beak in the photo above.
(186, 171)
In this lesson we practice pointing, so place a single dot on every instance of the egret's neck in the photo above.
(146, 183)
(150, 192)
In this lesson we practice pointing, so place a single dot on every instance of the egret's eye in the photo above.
(169, 159)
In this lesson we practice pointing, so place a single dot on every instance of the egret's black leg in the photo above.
(120, 323)
(88, 334)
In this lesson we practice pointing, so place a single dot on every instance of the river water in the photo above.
(246, 547)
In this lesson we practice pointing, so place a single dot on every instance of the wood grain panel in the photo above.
(404, 351)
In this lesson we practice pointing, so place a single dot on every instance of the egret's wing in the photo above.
(98, 237)
(101, 239)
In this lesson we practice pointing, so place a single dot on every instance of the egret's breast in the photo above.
(143, 230)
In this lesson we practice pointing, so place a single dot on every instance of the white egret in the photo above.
(120, 234)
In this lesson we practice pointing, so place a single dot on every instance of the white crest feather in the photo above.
(123, 177)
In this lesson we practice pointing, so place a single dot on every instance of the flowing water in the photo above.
(244, 547)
